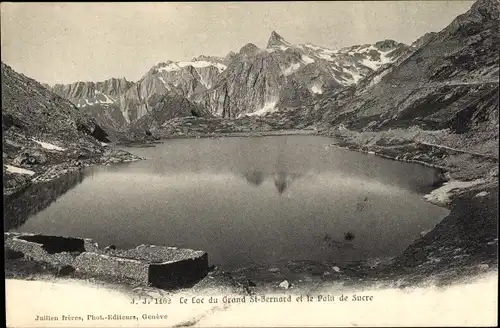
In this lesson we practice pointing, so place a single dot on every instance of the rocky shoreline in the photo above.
(456, 248)
(33, 170)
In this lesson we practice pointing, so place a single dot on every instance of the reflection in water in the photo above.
(242, 200)
(282, 180)
(254, 177)
(20, 206)
(337, 245)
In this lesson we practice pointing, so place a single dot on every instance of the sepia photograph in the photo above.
(250, 164)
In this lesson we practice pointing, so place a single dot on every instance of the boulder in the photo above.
(284, 284)
(109, 247)
(11, 254)
(30, 157)
(482, 194)
(65, 270)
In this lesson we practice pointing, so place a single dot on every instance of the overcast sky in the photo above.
(64, 43)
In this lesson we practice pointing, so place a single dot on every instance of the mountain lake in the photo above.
(244, 200)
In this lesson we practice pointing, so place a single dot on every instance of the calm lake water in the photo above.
(246, 201)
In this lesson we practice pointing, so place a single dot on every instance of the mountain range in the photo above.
(252, 81)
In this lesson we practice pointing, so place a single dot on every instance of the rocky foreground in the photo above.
(37, 165)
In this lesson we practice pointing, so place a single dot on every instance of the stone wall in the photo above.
(159, 266)
(58, 251)
(102, 264)
(178, 273)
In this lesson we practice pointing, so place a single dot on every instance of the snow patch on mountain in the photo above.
(99, 98)
(354, 76)
(312, 46)
(326, 57)
(316, 89)
(268, 107)
(291, 69)
(18, 170)
(202, 81)
(321, 52)
(307, 59)
(107, 99)
(49, 146)
(163, 81)
(375, 64)
(176, 66)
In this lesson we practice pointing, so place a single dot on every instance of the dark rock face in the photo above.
(108, 116)
(458, 239)
(276, 40)
(184, 79)
(97, 132)
(168, 107)
(294, 94)
(12, 181)
(33, 110)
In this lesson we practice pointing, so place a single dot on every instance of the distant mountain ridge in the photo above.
(100, 99)
(249, 82)
(84, 94)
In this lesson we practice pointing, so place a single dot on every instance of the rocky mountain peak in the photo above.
(484, 14)
(249, 49)
(423, 39)
(386, 45)
(113, 87)
(229, 57)
(276, 40)
(487, 8)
